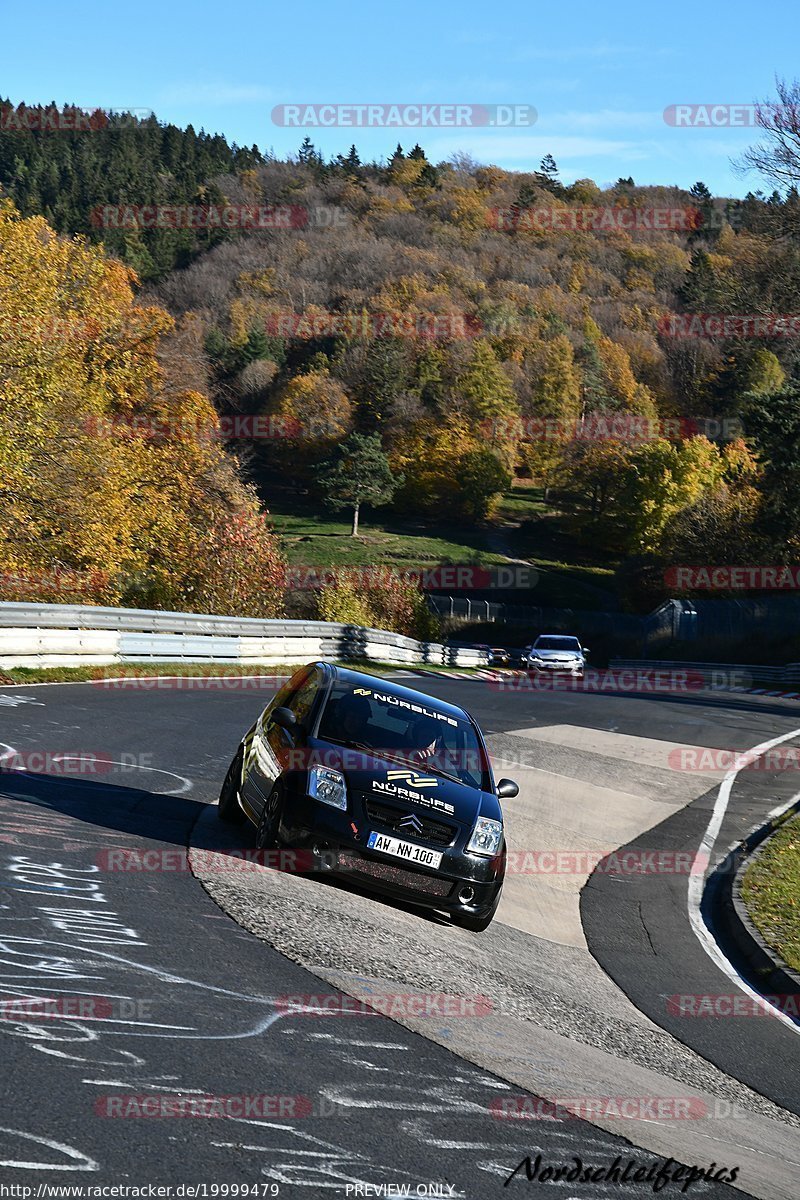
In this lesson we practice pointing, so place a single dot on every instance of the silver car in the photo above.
(556, 652)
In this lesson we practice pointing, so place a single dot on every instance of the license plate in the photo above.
(405, 850)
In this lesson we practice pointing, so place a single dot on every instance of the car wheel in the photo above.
(229, 810)
(477, 923)
(267, 832)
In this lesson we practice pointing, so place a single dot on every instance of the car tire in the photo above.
(269, 822)
(229, 810)
(477, 923)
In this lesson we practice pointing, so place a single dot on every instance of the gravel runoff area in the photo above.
(360, 944)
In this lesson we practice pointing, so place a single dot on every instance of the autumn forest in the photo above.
(443, 332)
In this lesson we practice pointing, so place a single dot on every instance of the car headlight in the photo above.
(328, 786)
(486, 837)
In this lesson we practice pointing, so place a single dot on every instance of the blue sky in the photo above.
(599, 75)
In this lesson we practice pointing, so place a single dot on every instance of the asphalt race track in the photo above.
(163, 989)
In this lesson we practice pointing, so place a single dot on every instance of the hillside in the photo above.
(613, 348)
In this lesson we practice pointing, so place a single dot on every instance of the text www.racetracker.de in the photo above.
(181, 1191)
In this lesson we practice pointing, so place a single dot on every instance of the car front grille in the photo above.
(413, 881)
(436, 832)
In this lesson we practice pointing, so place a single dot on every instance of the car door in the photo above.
(274, 749)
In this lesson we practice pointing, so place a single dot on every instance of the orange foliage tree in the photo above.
(114, 483)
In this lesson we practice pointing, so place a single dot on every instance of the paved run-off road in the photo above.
(595, 772)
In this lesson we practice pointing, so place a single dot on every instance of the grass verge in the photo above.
(312, 537)
(771, 891)
(569, 576)
(15, 676)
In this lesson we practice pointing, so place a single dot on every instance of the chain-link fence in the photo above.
(767, 626)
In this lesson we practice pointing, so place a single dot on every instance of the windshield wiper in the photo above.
(398, 758)
(370, 750)
(439, 771)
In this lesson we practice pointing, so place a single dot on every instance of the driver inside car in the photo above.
(352, 717)
(425, 737)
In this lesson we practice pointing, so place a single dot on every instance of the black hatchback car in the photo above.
(378, 783)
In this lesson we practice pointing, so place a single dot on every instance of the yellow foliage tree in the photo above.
(314, 411)
(445, 468)
(555, 407)
(112, 475)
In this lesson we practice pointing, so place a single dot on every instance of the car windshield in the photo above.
(388, 725)
(557, 643)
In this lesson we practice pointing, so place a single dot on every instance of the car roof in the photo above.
(362, 679)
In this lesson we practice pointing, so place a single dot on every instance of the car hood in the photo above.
(556, 655)
(379, 779)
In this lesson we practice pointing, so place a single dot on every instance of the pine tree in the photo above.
(307, 153)
(548, 175)
(360, 474)
(707, 226)
(549, 168)
(124, 161)
(699, 291)
(429, 176)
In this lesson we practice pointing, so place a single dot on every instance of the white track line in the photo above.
(697, 876)
(186, 784)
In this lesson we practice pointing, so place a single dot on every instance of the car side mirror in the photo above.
(506, 789)
(285, 718)
(586, 650)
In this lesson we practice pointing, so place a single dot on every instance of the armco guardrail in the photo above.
(42, 635)
(724, 675)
